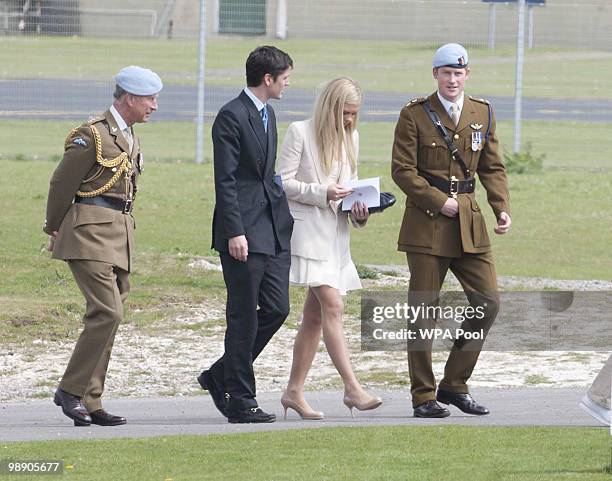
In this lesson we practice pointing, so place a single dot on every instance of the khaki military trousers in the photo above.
(105, 288)
(601, 388)
(476, 273)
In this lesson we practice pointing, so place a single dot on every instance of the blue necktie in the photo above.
(264, 117)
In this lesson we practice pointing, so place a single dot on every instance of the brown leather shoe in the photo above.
(73, 407)
(102, 418)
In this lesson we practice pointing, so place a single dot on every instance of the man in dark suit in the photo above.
(252, 229)
(443, 227)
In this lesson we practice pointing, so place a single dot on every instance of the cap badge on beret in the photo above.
(451, 55)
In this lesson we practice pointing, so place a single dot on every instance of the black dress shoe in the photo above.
(465, 402)
(251, 415)
(73, 407)
(102, 418)
(430, 409)
(218, 395)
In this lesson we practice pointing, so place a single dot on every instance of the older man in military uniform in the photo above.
(90, 223)
(440, 143)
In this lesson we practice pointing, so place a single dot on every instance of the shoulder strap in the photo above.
(490, 112)
(447, 139)
(489, 124)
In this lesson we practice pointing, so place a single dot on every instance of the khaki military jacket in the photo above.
(419, 148)
(87, 231)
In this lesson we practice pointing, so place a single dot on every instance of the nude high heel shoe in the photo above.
(304, 411)
(371, 402)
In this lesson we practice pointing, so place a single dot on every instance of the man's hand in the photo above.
(360, 213)
(337, 192)
(52, 239)
(239, 248)
(450, 207)
(503, 223)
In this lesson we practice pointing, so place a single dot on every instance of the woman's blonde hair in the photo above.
(332, 137)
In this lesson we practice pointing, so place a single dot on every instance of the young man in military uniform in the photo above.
(90, 223)
(440, 143)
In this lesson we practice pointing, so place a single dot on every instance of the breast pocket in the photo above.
(433, 154)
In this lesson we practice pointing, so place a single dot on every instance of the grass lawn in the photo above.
(560, 230)
(555, 213)
(375, 453)
(567, 145)
(377, 65)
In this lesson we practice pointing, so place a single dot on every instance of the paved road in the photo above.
(42, 420)
(64, 99)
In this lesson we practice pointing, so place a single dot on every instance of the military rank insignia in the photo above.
(79, 141)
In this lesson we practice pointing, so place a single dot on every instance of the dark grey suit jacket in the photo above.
(248, 199)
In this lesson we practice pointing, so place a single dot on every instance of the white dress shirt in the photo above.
(258, 103)
(125, 130)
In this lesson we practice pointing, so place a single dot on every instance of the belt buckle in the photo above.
(453, 187)
(127, 208)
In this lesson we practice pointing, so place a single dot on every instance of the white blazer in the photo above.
(305, 184)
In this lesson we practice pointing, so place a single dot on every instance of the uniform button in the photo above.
(433, 144)
(262, 203)
(456, 137)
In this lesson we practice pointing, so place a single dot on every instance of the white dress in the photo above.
(338, 270)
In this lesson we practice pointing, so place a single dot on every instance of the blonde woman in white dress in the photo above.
(318, 157)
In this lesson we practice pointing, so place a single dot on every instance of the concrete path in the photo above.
(42, 420)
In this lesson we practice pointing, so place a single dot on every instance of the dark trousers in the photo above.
(476, 273)
(257, 306)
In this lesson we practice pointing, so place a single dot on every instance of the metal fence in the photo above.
(554, 23)
(59, 57)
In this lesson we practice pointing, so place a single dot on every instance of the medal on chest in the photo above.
(476, 140)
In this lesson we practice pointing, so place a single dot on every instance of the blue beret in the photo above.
(138, 81)
(451, 55)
